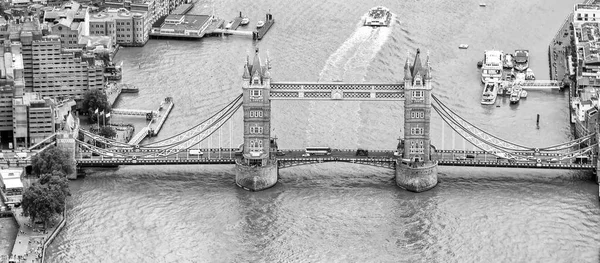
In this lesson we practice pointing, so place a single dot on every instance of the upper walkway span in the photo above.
(336, 91)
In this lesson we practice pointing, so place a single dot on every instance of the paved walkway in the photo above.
(558, 53)
(30, 240)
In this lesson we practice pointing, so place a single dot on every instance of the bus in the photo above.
(318, 151)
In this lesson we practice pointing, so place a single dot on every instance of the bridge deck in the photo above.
(290, 158)
(336, 91)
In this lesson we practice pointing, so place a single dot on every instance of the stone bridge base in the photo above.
(255, 178)
(416, 178)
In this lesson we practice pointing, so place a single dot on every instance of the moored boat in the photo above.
(492, 69)
(490, 92)
(521, 59)
(245, 21)
(515, 95)
(529, 74)
(260, 24)
(378, 16)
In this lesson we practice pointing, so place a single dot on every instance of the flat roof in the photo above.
(13, 183)
(8, 174)
(189, 22)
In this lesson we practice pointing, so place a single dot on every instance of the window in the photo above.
(256, 130)
(418, 95)
(256, 144)
(255, 93)
(256, 114)
(416, 131)
(416, 147)
(417, 114)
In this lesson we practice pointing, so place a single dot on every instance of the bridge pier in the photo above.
(416, 176)
(256, 178)
(66, 142)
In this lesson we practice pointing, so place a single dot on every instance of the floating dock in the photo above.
(261, 32)
(155, 124)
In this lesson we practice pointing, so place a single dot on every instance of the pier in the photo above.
(155, 124)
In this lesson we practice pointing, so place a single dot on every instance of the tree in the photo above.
(107, 132)
(52, 160)
(95, 99)
(45, 199)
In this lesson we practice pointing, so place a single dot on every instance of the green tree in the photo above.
(95, 99)
(107, 132)
(52, 160)
(43, 201)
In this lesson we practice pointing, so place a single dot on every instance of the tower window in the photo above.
(418, 95)
(417, 114)
(255, 93)
(416, 131)
(256, 114)
(256, 130)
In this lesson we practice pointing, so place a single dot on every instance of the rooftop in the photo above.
(8, 174)
(193, 22)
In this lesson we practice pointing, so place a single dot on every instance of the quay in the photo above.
(155, 124)
(114, 90)
(184, 26)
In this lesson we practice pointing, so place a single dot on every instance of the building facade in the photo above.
(125, 28)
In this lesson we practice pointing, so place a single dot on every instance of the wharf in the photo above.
(155, 124)
(114, 90)
(269, 21)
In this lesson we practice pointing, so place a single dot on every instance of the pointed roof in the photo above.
(417, 68)
(427, 68)
(407, 74)
(256, 64)
(246, 72)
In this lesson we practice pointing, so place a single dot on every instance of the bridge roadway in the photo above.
(294, 157)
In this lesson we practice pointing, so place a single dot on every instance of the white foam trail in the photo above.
(353, 57)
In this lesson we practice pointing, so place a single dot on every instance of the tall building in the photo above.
(257, 112)
(70, 22)
(22, 37)
(34, 119)
(417, 109)
(64, 73)
(125, 28)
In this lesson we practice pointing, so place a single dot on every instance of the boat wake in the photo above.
(351, 60)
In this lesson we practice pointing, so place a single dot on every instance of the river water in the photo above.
(342, 212)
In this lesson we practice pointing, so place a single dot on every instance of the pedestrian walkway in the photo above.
(30, 239)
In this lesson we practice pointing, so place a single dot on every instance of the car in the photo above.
(461, 158)
(362, 152)
(397, 154)
(306, 155)
(196, 152)
(279, 153)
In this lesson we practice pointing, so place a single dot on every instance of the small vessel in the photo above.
(508, 61)
(482, 4)
(490, 92)
(515, 95)
(523, 94)
(260, 24)
(492, 69)
(378, 16)
(229, 24)
(521, 59)
(463, 46)
(529, 74)
(245, 21)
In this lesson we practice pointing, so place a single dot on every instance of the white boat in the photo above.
(508, 61)
(521, 59)
(490, 92)
(245, 21)
(492, 68)
(523, 94)
(229, 24)
(463, 46)
(529, 74)
(260, 24)
(378, 16)
(515, 95)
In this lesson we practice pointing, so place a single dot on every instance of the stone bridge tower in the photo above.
(416, 171)
(256, 169)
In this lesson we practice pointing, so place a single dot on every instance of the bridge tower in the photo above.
(416, 171)
(257, 168)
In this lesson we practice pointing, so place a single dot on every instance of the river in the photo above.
(342, 212)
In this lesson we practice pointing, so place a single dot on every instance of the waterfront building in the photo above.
(583, 13)
(70, 22)
(64, 72)
(124, 27)
(154, 8)
(11, 186)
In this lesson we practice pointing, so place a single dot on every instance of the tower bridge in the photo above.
(258, 161)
